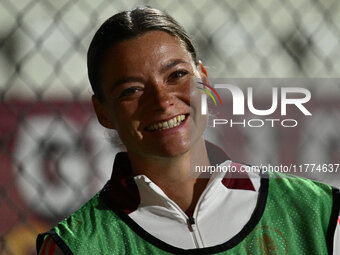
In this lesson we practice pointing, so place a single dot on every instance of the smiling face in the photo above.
(146, 87)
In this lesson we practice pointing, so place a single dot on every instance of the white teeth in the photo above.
(174, 122)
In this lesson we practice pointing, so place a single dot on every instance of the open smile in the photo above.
(171, 123)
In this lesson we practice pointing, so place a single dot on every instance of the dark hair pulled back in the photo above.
(127, 25)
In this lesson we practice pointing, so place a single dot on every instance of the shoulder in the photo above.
(310, 198)
(300, 186)
(71, 233)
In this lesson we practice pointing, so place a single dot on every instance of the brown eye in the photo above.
(129, 91)
(178, 74)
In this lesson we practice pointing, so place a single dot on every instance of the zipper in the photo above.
(191, 220)
(193, 229)
(191, 223)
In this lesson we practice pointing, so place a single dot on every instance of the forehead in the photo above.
(149, 50)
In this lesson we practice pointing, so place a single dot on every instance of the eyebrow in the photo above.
(173, 63)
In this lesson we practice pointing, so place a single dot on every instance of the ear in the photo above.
(101, 113)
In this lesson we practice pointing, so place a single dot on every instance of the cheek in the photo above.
(198, 120)
(187, 93)
(126, 115)
(183, 93)
(195, 96)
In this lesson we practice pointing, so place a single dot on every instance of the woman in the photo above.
(141, 64)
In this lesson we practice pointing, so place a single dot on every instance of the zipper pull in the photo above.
(190, 222)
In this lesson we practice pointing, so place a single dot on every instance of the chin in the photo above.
(170, 150)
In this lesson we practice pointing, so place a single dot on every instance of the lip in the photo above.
(169, 130)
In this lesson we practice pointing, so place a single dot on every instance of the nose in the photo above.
(161, 97)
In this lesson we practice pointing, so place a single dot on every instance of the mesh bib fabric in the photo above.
(294, 220)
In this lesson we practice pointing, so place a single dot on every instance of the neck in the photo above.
(173, 174)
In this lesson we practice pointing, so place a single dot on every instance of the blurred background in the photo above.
(54, 155)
